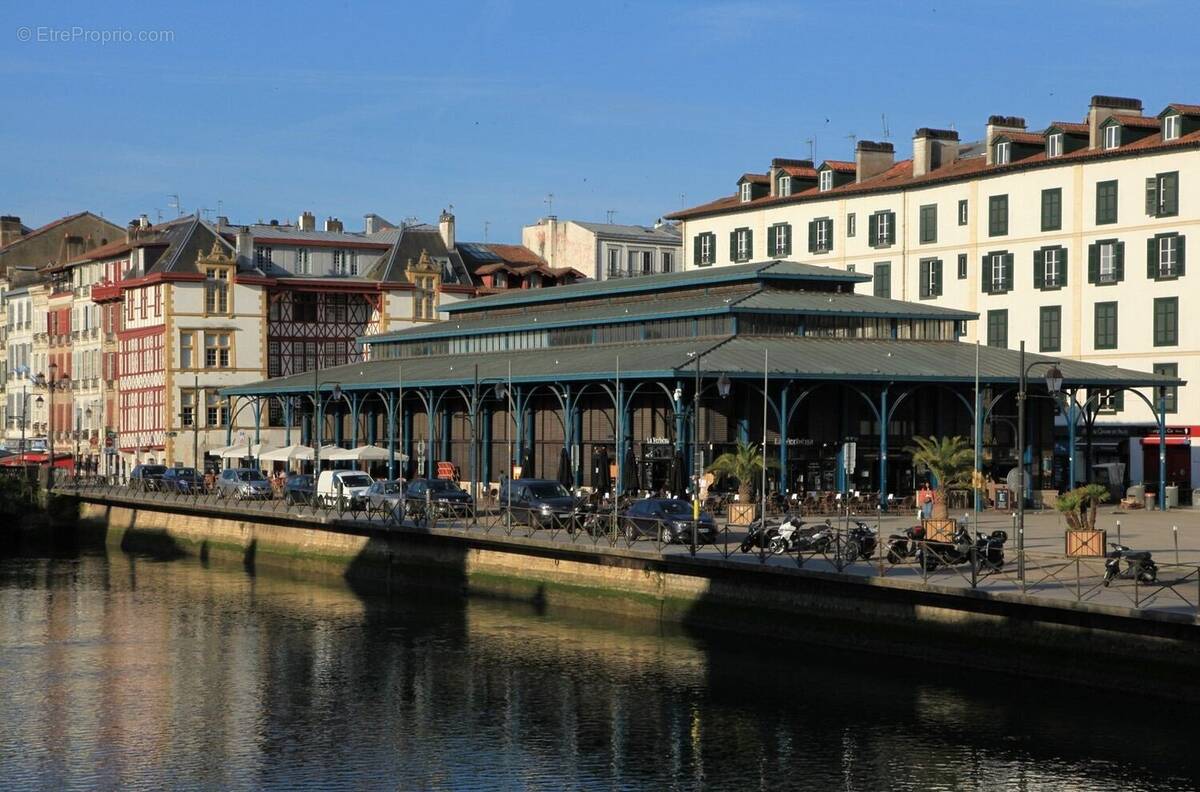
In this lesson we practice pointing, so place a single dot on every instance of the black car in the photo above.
(181, 480)
(542, 503)
(146, 478)
(299, 488)
(668, 519)
(445, 497)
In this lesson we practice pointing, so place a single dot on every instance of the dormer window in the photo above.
(783, 185)
(746, 193)
(1112, 136)
(1003, 152)
(1171, 127)
(826, 183)
(1054, 145)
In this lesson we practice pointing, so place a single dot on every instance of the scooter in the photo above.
(794, 535)
(859, 542)
(761, 533)
(1138, 564)
(902, 547)
(988, 551)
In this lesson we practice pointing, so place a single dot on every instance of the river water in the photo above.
(126, 671)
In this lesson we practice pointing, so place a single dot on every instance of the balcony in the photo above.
(106, 292)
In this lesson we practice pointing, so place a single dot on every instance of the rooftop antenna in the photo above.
(610, 213)
(887, 133)
(219, 202)
(158, 214)
(174, 204)
(853, 138)
(683, 200)
(486, 225)
(812, 142)
(549, 201)
(205, 213)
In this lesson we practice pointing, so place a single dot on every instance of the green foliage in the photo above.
(950, 459)
(744, 464)
(1079, 506)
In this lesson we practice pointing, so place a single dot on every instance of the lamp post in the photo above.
(318, 419)
(1054, 379)
(504, 392)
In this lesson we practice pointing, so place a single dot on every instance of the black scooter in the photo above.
(859, 542)
(1138, 564)
(901, 547)
(986, 551)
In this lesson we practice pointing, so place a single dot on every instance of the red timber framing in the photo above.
(307, 327)
(142, 388)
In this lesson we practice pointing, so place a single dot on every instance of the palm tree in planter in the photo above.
(1078, 507)
(745, 464)
(950, 460)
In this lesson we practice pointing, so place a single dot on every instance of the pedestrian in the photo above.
(925, 501)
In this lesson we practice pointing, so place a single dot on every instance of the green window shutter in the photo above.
(1063, 269)
(1039, 269)
(891, 238)
(1179, 253)
(696, 250)
(1008, 271)
(812, 236)
(937, 277)
(1119, 263)
(733, 246)
(1170, 196)
(787, 239)
(1094, 263)
(1152, 258)
(749, 244)
(829, 234)
(771, 232)
(985, 278)
(872, 230)
(1152, 196)
(923, 286)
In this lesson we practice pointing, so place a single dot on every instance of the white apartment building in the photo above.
(1071, 239)
(606, 250)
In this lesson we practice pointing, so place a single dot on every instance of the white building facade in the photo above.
(606, 250)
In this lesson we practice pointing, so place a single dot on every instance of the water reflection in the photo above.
(126, 671)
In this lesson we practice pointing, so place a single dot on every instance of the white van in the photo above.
(352, 484)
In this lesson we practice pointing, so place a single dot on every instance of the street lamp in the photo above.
(318, 419)
(723, 387)
(1054, 381)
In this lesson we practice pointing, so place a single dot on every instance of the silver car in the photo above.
(385, 495)
(243, 484)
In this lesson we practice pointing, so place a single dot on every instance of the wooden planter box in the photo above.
(940, 530)
(1088, 543)
(742, 513)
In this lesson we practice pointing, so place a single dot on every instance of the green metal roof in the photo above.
(853, 360)
(707, 276)
(847, 304)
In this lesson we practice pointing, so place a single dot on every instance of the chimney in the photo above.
(1104, 106)
(10, 229)
(333, 225)
(446, 229)
(244, 248)
(131, 232)
(933, 149)
(143, 221)
(371, 223)
(998, 125)
(222, 221)
(307, 222)
(551, 223)
(872, 159)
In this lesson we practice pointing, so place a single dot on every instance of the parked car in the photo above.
(668, 519)
(243, 484)
(299, 488)
(445, 497)
(352, 485)
(186, 480)
(386, 495)
(542, 503)
(145, 478)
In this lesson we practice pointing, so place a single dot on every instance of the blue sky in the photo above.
(344, 108)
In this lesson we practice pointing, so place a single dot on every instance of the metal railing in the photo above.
(846, 543)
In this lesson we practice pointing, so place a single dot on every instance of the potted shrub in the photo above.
(950, 460)
(1079, 507)
(746, 465)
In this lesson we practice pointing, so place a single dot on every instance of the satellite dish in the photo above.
(1010, 480)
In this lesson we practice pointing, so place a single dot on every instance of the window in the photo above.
(186, 353)
(1003, 152)
(1162, 195)
(1052, 209)
(1050, 328)
(929, 223)
(215, 408)
(1106, 326)
(668, 261)
(741, 244)
(997, 328)
(647, 257)
(216, 350)
(1164, 256)
(820, 235)
(962, 212)
(851, 225)
(1112, 136)
(424, 297)
(1050, 268)
(614, 262)
(882, 281)
(997, 277)
(1106, 262)
(187, 408)
(747, 192)
(882, 229)
(303, 265)
(962, 266)
(998, 215)
(704, 249)
(931, 279)
(1171, 127)
(1166, 321)
(1106, 202)
(779, 240)
(826, 182)
(783, 185)
(1054, 145)
(1109, 401)
(851, 268)
(216, 290)
(262, 256)
(1171, 392)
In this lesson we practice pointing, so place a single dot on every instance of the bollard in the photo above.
(1175, 532)
(1118, 532)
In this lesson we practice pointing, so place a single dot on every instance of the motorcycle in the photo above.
(795, 536)
(1138, 564)
(859, 542)
(902, 547)
(761, 532)
(985, 551)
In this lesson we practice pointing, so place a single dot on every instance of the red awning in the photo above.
(1172, 440)
(30, 458)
